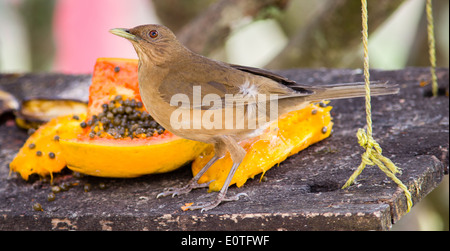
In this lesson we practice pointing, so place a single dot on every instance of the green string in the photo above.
(373, 155)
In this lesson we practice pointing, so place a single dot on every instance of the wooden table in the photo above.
(302, 193)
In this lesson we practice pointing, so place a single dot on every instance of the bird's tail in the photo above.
(351, 90)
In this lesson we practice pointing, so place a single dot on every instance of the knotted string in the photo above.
(373, 154)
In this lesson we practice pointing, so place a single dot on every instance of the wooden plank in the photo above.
(302, 193)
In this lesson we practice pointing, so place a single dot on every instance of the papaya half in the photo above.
(115, 137)
(119, 138)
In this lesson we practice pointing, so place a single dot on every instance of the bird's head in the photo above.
(153, 43)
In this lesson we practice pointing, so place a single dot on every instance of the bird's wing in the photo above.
(218, 85)
(197, 90)
(319, 92)
(300, 89)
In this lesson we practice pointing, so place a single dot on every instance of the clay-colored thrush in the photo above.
(241, 100)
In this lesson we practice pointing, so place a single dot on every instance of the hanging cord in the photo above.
(372, 156)
(432, 47)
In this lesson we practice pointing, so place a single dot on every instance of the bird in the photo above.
(222, 104)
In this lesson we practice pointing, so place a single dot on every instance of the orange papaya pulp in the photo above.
(41, 153)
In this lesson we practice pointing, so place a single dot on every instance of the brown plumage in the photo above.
(168, 69)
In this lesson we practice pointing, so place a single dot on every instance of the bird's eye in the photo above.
(153, 33)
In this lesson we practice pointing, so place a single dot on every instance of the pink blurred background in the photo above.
(81, 34)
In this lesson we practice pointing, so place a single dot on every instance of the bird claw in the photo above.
(174, 191)
(205, 206)
(235, 197)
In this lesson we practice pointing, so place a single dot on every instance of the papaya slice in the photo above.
(296, 131)
(41, 153)
(35, 112)
(120, 139)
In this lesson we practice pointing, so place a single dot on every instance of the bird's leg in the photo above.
(222, 196)
(237, 155)
(193, 183)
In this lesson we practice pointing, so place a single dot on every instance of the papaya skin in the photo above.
(296, 131)
(103, 159)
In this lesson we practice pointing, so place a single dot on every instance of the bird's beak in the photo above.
(124, 33)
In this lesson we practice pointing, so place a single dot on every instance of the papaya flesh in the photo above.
(295, 131)
(120, 139)
(41, 153)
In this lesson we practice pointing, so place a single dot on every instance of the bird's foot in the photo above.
(205, 206)
(174, 191)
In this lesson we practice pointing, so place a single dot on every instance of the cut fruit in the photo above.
(37, 111)
(41, 153)
(296, 131)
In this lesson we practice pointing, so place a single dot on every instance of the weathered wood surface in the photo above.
(302, 193)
